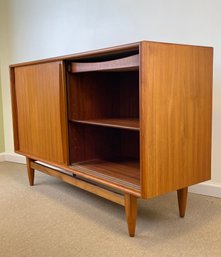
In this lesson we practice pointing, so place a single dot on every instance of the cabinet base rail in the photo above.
(127, 200)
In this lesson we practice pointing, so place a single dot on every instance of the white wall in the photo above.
(44, 28)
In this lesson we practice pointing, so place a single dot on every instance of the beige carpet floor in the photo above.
(54, 219)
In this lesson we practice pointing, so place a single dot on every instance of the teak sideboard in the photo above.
(126, 122)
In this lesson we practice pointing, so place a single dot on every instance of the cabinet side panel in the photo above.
(176, 110)
(40, 109)
(14, 109)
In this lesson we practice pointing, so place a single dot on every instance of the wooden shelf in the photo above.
(122, 123)
(122, 64)
(123, 173)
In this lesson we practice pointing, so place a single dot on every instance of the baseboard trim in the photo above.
(206, 188)
(12, 157)
(2, 157)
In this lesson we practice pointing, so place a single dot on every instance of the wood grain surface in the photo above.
(40, 111)
(176, 113)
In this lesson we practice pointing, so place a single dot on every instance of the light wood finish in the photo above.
(112, 196)
(39, 108)
(120, 64)
(182, 199)
(131, 213)
(30, 171)
(123, 123)
(141, 126)
(125, 173)
(176, 109)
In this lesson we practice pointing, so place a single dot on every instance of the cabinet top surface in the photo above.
(114, 50)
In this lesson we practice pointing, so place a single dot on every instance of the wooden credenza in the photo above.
(126, 122)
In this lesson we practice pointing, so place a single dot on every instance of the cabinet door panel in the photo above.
(39, 107)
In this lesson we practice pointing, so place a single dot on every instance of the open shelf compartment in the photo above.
(106, 153)
(103, 114)
(111, 97)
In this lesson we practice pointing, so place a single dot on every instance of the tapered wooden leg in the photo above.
(31, 172)
(131, 213)
(182, 198)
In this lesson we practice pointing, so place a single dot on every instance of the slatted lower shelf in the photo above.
(122, 173)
